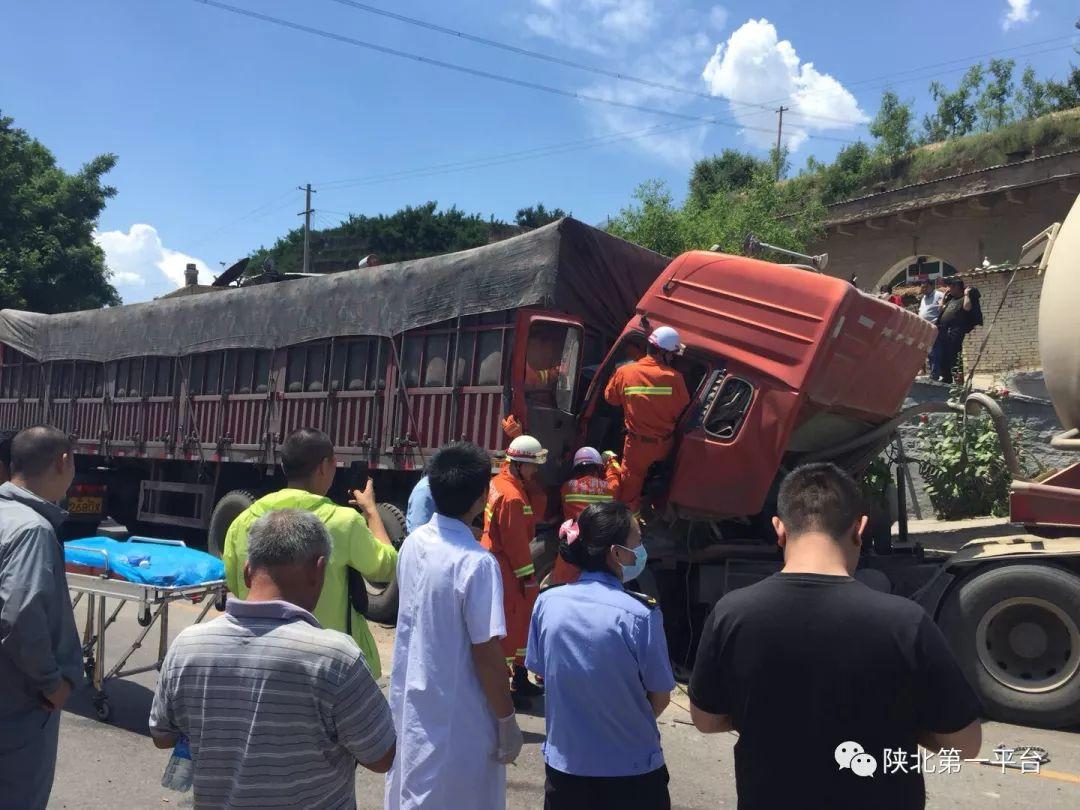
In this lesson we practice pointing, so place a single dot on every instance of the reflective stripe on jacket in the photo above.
(581, 492)
(509, 523)
(651, 395)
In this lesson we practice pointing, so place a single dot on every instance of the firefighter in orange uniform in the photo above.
(593, 481)
(652, 395)
(509, 527)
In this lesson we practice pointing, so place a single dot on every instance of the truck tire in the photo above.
(544, 548)
(1016, 632)
(383, 596)
(225, 512)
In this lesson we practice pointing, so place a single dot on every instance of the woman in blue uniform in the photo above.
(603, 656)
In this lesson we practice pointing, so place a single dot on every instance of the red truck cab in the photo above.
(780, 363)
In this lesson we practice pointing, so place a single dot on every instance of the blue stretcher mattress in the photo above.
(148, 563)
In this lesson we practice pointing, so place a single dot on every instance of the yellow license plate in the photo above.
(84, 506)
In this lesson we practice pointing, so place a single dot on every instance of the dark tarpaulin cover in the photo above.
(566, 265)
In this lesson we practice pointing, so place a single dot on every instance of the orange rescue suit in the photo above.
(509, 527)
(577, 495)
(652, 397)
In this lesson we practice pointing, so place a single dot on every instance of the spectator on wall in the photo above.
(960, 313)
(930, 310)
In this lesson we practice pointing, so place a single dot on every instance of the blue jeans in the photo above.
(936, 352)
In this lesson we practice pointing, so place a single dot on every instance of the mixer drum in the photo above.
(1059, 321)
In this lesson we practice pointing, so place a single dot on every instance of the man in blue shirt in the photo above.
(602, 653)
(421, 506)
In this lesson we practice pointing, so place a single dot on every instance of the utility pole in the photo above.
(306, 214)
(779, 132)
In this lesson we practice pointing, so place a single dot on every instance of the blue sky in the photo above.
(217, 118)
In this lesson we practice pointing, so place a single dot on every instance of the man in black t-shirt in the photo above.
(960, 313)
(828, 683)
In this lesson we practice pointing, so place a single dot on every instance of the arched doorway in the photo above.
(907, 271)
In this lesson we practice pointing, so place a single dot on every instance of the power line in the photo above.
(621, 76)
(257, 213)
(570, 63)
(509, 157)
(488, 75)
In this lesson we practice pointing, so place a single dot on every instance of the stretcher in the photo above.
(101, 569)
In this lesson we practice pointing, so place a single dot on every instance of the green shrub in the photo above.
(961, 462)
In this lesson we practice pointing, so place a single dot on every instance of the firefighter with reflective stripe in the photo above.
(652, 395)
(595, 480)
(542, 379)
(509, 527)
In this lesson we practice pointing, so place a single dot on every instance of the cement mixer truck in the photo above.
(794, 366)
(178, 408)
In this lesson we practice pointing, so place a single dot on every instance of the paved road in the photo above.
(115, 765)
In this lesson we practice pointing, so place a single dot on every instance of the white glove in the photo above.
(510, 739)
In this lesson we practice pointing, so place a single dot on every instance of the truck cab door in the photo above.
(732, 446)
(544, 379)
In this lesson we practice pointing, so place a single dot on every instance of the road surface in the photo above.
(115, 765)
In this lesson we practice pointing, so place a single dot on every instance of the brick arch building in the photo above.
(962, 221)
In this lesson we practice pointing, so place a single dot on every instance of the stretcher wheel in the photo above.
(103, 709)
(144, 617)
(219, 603)
(88, 669)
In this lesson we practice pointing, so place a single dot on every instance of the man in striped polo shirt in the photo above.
(277, 709)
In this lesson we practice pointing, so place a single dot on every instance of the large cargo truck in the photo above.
(179, 408)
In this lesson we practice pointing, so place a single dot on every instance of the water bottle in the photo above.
(179, 771)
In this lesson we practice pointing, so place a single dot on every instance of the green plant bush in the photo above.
(961, 462)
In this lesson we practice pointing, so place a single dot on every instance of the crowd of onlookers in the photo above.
(278, 702)
(955, 309)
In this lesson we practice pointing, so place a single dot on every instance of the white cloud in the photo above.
(140, 262)
(599, 26)
(674, 64)
(1020, 11)
(756, 67)
(660, 41)
(718, 17)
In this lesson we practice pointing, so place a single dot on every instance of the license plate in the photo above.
(84, 506)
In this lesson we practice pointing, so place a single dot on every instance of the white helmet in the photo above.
(527, 450)
(666, 338)
(588, 455)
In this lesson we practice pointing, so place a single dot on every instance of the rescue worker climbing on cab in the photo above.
(509, 527)
(594, 480)
(652, 395)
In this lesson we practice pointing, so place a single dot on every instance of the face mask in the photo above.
(634, 570)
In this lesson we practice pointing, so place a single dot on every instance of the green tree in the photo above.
(730, 169)
(1066, 94)
(1032, 99)
(653, 221)
(891, 126)
(779, 213)
(848, 173)
(537, 216)
(955, 114)
(412, 232)
(49, 261)
(995, 107)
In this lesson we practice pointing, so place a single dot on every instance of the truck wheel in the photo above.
(544, 548)
(383, 596)
(225, 512)
(879, 529)
(1016, 632)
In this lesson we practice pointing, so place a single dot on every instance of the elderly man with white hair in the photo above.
(277, 710)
